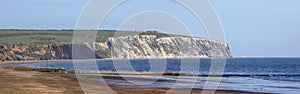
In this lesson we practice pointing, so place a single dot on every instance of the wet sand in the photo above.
(30, 82)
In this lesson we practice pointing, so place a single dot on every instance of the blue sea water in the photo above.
(280, 75)
(233, 66)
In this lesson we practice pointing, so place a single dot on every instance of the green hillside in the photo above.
(34, 37)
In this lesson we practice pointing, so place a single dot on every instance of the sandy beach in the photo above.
(31, 82)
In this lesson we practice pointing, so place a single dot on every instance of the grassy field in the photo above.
(34, 37)
(39, 37)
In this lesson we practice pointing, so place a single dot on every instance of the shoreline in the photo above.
(69, 60)
(43, 82)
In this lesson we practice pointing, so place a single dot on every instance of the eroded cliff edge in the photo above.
(152, 46)
(133, 47)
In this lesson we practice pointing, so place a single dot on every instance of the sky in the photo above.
(254, 28)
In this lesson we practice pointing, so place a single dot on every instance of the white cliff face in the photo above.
(151, 46)
(97, 46)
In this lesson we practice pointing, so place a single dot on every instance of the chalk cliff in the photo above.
(139, 46)
(152, 46)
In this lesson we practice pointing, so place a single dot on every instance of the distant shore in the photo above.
(70, 60)
(5, 63)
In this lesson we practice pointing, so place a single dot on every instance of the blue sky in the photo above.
(252, 27)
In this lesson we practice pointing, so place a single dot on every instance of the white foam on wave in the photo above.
(259, 85)
(227, 83)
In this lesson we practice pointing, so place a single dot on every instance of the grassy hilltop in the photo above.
(40, 37)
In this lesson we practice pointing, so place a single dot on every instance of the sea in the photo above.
(265, 75)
